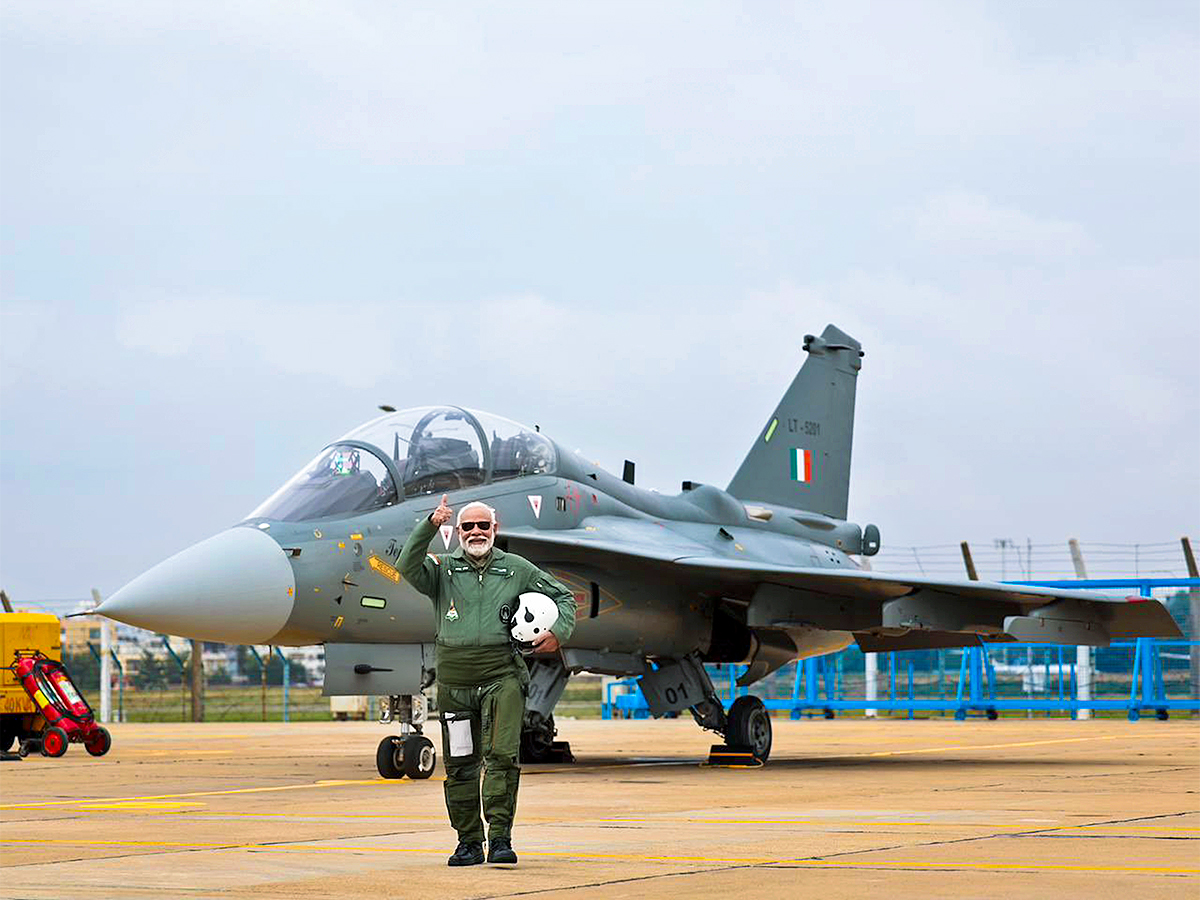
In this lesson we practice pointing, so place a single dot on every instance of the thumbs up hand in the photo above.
(442, 514)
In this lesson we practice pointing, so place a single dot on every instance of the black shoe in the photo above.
(500, 851)
(469, 853)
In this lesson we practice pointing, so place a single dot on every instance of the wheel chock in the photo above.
(732, 757)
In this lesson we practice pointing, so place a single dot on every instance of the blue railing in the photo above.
(817, 685)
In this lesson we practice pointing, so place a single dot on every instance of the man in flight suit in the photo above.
(480, 675)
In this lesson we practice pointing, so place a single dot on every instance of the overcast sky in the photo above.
(230, 230)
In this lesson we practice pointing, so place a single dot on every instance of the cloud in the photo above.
(25, 325)
(961, 222)
(355, 344)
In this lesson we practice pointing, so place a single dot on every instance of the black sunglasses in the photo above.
(469, 526)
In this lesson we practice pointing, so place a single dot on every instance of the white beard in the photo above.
(479, 550)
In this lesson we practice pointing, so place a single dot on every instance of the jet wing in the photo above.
(800, 594)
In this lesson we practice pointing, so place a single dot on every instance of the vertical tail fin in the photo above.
(801, 458)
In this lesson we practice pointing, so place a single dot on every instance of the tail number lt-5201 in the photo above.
(804, 426)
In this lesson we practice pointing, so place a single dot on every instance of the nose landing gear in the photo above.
(409, 753)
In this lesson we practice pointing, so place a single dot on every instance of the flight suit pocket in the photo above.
(459, 741)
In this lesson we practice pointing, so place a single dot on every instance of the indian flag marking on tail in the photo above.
(802, 467)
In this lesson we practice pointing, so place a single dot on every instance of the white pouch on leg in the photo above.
(458, 732)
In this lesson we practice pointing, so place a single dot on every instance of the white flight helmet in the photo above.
(536, 613)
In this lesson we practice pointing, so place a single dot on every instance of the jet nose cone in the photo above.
(235, 587)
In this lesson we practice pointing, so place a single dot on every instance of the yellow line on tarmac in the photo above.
(992, 867)
(640, 857)
(255, 790)
(868, 824)
(1106, 737)
(141, 806)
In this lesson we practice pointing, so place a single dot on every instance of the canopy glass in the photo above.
(431, 449)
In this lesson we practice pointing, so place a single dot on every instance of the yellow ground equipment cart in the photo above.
(19, 717)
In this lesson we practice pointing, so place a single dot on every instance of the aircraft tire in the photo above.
(537, 745)
(749, 725)
(389, 757)
(420, 757)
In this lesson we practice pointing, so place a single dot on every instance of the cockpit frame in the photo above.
(428, 469)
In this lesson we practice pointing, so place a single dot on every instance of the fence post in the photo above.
(96, 656)
(287, 679)
(262, 673)
(892, 675)
(910, 684)
(871, 681)
(991, 673)
(105, 664)
(1061, 695)
(1074, 694)
(197, 666)
(795, 714)
(120, 686)
(182, 678)
(1193, 615)
(1160, 687)
(1083, 653)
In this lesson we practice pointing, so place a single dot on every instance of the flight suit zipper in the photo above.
(478, 604)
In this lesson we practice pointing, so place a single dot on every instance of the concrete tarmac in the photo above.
(847, 808)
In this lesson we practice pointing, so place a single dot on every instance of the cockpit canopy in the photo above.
(425, 450)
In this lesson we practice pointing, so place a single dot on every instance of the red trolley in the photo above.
(68, 717)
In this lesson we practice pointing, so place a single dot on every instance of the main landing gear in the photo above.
(748, 724)
(409, 753)
(547, 681)
(684, 684)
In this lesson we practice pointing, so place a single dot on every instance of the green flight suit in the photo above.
(480, 675)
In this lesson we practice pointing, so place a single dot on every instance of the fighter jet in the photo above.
(761, 572)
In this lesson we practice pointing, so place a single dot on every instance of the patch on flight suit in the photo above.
(452, 613)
